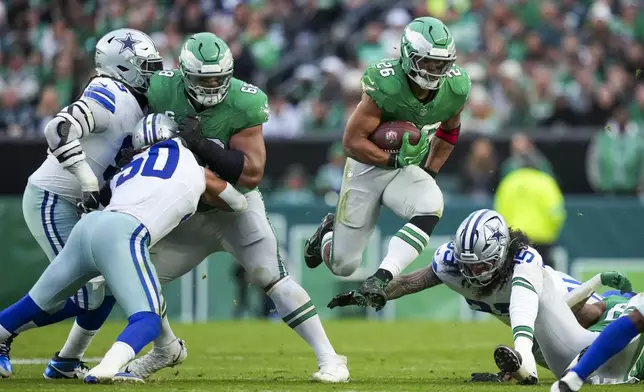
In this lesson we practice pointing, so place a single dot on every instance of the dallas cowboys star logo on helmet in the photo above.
(494, 226)
(127, 43)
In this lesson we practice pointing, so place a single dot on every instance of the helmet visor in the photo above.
(150, 66)
(209, 82)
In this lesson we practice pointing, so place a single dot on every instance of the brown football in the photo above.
(389, 135)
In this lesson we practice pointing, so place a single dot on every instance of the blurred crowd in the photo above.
(570, 66)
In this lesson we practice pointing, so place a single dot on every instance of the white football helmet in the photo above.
(152, 129)
(481, 245)
(129, 56)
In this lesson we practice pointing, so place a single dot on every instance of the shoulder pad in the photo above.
(529, 256)
(103, 91)
(443, 260)
(382, 81)
(458, 81)
(249, 100)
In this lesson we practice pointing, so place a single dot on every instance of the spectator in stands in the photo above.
(295, 187)
(48, 107)
(615, 160)
(371, 49)
(284, 121)
(264, 51)
(479, 116)
(530, 200)
(523, 153)
(636, 110)
(329, 175)
(479, 174)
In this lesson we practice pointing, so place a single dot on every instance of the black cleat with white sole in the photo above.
(509, 360)
(312, 251)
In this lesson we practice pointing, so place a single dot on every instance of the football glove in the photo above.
(490, 377)
(190, 131)
(413, 154)
(90, 202)
(617, 281)
(348, 298)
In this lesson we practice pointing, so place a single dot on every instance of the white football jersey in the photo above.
(160, 187)
(120, 112)
(498, 302)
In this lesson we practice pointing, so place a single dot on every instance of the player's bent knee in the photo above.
(148, 323)
(344, 266)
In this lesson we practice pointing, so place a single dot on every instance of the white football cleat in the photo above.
(332, 370)
(158, 358)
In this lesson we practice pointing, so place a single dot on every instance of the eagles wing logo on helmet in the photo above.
(127, 43)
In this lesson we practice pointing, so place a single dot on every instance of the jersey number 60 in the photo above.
(168, 149)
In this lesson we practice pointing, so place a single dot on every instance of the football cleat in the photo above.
(312, 251)
(5, 361)
(570, 382)
(127, 378)
(333, 370)
(65, 368)
(509, 360)
(158, 358)
(373, 292)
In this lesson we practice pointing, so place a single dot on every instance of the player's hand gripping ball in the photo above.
(389, 135)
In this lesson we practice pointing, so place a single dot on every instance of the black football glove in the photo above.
(348, 298)
(90, 202)
(490, 377)
(125, 157)
(190, 131)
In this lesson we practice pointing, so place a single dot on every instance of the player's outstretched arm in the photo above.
(611, 279)
(363, 121)
(411, 283)
(442, 143)
(221, 194)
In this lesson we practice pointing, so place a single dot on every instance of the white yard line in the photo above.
(44, 361)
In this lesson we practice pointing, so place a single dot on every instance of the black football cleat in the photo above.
(312, 251)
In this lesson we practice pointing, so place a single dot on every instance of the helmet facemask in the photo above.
(427, 71)
(479, 273)
(207, 89)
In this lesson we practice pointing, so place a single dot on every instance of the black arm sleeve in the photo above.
(228, 164)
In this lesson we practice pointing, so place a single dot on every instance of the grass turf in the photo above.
(263, 356)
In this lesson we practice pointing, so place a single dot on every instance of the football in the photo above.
(389, 135)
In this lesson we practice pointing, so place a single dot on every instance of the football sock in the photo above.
(116, 357)
(26, 314)
(85, 328)
(77, 342)
(166, 336)
(404, 248)
(613, 339)
(142, 328)
(298, 312)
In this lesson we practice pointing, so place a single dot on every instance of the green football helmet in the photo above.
(427, 52)
(206, 65)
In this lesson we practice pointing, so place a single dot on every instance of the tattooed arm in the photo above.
(411, 283)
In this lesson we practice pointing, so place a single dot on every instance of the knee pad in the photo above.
(91, 296)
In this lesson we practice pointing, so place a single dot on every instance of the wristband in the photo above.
(392, 162)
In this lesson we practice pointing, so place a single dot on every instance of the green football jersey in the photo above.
(245, 106)
(386, 83)
(617, 306)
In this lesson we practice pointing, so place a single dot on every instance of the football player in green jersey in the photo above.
(424, 87)
(220, 118)
(628, 365)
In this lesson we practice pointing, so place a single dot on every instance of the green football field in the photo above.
(264, 356)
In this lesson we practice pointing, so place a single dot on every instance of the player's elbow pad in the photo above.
(228, 164)
(64, 130)
(448, 135)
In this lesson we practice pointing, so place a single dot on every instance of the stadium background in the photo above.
(562, 75)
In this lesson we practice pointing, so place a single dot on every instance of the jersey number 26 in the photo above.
(150, 163)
